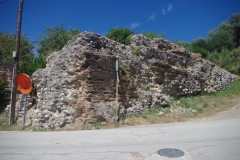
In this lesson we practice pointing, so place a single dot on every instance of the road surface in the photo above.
(213, 139)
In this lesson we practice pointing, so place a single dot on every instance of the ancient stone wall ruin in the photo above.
(79, 83)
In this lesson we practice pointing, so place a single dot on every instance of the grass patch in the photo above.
(190, 107)
(4, 124)
(135, 51)
(123, 68)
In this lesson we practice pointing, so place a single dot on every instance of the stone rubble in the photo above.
(79, 84)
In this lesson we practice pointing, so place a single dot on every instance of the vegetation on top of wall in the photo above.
(123, 68)
(135, 51)
(128, 40)
(121, 35)
(185, 45)
(152, 35)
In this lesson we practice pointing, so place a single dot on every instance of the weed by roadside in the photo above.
(4, 124)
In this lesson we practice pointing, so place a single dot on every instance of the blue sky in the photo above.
(183, 20)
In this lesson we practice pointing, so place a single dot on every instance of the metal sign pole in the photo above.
(117, 80)
(25, 103)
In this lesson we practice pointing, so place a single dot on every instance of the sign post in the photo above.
(24, 84)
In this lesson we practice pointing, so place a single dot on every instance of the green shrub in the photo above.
(152, 35)
(120, 35)
(184, 102)
(233, 63)
(202, 51)
(32, 66)
(135, 51)
(214, 57)
(128, 40)
(186, 45)
(229, 60)
(123, 68)
(4, 94)
(235, 54)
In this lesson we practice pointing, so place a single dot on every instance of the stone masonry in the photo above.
(79, 83)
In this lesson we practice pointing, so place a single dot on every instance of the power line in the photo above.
(4, 2)
(147, 16)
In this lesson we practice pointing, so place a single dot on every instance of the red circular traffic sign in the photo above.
(24, 83)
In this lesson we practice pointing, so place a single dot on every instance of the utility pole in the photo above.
(15, 67)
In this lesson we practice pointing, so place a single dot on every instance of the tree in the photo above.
(32, 66)
(4, 93)
(201, 46)
(234, 21)
(226, 36)
(7, 46)
(54, 38)
(200, 43)
(220, 39)
(120, 35)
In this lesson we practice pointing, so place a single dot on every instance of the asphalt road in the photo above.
(214, 139)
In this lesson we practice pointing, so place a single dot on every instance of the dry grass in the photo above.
(4, 124)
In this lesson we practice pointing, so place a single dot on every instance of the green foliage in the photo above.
(149, 113)
(8, 45)
(35, 64)
(4, 94)
(186, 45)
(54, 38)
(234, 66)
(202, 51)
(234, 21)
(97, 125)
(184, 102)
(152, 35)
(121, 35)
(128, 40)
(221, 45)
(227, 35)
(135, 51)
(123, 68)
(201, 46)
(229, 60)
(220, 40)
(200, 43)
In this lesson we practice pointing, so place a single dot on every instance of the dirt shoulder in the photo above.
(233, 112)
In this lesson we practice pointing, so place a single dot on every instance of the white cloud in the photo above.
(152, 17)
(163, 11)
(169, 7)
(134, 25)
